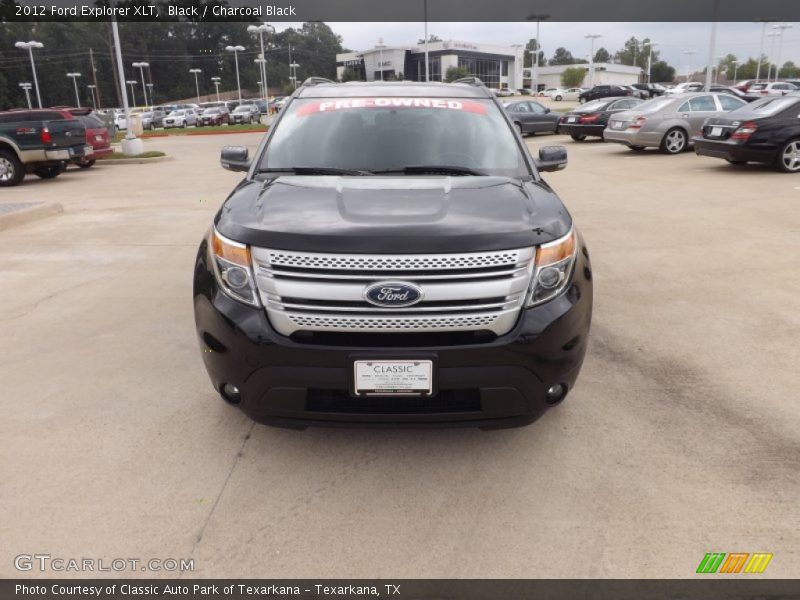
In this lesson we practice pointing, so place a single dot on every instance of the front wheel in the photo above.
(578, 137)
(674, 141)
(789, 157)
(85, 164)
(48, 172)
(183, 125)
(582, 100)
(11, 171)
(519, 129)
(558, 98)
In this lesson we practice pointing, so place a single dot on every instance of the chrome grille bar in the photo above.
(305, 291)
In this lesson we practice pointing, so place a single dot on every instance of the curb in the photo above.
(26, 215)
(227, 132)
(134, 161)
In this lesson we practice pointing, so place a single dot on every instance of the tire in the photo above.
(637, 148)
(183, 125)
(11, 171)
(519, 129)
(86, 164)
(674, 141)
(48, 172)
(578, 137)
(558, 98)
(581, 100)
(788, 160)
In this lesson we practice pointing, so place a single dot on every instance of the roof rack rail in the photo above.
(317, 80)
(470, 81)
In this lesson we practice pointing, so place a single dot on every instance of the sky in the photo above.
(741, 39)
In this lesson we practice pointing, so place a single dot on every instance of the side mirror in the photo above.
(234, 158)
(551, 158)
(546, 110)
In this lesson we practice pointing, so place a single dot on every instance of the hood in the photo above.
(392, 214)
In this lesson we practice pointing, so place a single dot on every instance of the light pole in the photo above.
(29, 46)
(236, 50)
(781, 27)
(152, 97)
(535, 75)
(141, 66)
(260, 62)
(380, 46)
(74, 77)
(689, 54)
(771, 35)
(293, 69)
(216, 81)
(91, 91)
(132, 82)
(261, 30)
(196, 83)
(761, 48)
(592, 37)
(27, 87)
(650, 62)
(718, 61)
(736, 64)
(712, 46)
(425, 16)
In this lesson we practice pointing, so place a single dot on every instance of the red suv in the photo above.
(96, 133)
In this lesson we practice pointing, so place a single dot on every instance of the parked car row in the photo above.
(193, 115)
(43, 142)
(717, 124)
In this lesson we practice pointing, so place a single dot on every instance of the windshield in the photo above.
(654, 105)
(176, 113)
(392, 133)
(210, 111)
(594, 105)
(240, 109)
(766, 106)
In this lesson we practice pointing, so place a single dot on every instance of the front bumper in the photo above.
(284, 381)
(733, 151)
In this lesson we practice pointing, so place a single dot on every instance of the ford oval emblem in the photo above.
(393, 294)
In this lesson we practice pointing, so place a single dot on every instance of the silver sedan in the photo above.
(668, 123)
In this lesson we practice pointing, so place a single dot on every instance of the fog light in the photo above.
(236, 277)
(556, 393)
(550, 277)
(231, 393)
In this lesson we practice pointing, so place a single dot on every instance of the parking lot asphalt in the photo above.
(682, 436)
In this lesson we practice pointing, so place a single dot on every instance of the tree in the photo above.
(573, 77)
(661, 72)
(789, 70)
(602, 56)
(350, 74)
(749, 69)
(431, 38)
(562, 56)
(531, 49)
(454, 73)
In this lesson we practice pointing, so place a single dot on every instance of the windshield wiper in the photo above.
(433, 169)
(314, 171)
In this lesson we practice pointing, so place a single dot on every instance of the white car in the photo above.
(777, 88)
(682, 88)
(550, 92)
(119, 119)
(180, 118)
(566, 94)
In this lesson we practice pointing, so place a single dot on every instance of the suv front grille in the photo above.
(321, 292)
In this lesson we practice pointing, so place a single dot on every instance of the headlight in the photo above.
(552, 269)
(233, 268)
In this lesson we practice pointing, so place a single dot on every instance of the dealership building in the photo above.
(604, 74)
(497, 66)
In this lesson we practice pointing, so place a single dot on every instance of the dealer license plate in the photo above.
(617, 124)
(716, 131)
(402, 377)
(571, 120)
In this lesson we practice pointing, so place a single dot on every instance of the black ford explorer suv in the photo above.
(393, 257)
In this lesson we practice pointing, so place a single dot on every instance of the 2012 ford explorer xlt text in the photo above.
(393, 256)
